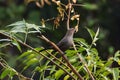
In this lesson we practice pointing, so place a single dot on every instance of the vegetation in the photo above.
(21, 41)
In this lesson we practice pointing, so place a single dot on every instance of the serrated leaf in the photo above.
(58, 74)
(5, 73)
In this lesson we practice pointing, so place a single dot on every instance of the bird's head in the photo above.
(70, 32)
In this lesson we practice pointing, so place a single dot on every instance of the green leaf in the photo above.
(73, 60)
(93, 35)
(117, 57)
(91, 32)
(66, 77)
(25, 54)
(117, 54)
(5, 42)
(14, 42)
(5, 73)
(53, 69)
(81, 49)
(18, 27)
(12, 72)
(109, 62)
(116, 73)
(33, 26)
(18, 23)
(37, 68)
(70, 53)
(31, 56)
(96, 35)
(58, 74)
(24, 27)
(90, 6)
(81, 41)
(94, 51)
(41, 68)
(32, 61)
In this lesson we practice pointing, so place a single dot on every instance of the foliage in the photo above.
(31, 59)
(84, 59)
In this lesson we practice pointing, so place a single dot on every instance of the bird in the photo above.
(66, 42)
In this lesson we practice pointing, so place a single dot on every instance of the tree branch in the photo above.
(68, 19)
(63, 56)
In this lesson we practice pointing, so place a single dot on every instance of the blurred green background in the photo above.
(104, 14)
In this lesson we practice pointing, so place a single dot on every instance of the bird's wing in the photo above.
(63, 44)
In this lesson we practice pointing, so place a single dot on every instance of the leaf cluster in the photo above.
(98, 68)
